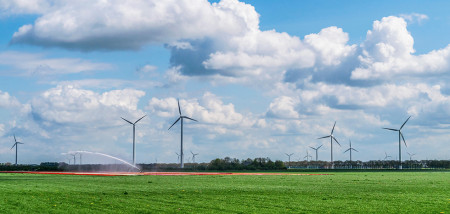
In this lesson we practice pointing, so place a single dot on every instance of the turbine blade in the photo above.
(19, 143)
(346, 150)
(127, 120)
(324, 137)
(355, 150)
(15, 138)
(336, 140)
(179, 109)
(403, 139)
(332, 130)
(13, 146)
(391, 129)
(319, 146)
(312, 147)
(174, 123)
(139, 119)
(190, 118)
(404, 123)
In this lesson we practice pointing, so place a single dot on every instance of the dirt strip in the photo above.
(152, 173)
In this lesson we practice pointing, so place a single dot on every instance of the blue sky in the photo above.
(263, 78)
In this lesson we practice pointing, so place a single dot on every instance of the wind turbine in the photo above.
(193, 156)
(307, 156)
(289, 155)
(74, 160)
(181, 117)
(331, 142)
(16, 143)
(400, 136)
(386, 156)
(410, 155)
(134, 136)
(350, 149)
(316, 150)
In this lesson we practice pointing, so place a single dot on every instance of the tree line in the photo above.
(227, 163)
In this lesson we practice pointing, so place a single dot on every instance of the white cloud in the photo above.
(388, 51)
(8, 101)
(2, 129)
(414, 17)
(68, 104)
(330, 44)
(108, 83)
(8, 7)
(106, 25)
(38, 64)
(283, 107)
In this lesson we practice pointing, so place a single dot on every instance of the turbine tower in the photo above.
(16, 143)
(289, 155)
(400, 136)
(74, 156)
(193, 156)
(181, 117)
(134, 136)
(316, 150)
(331, 143)
(350, 149)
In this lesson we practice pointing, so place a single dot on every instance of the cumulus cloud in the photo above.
(66, 104)
(38, 64)
(388, 51)
(113, 25)
(8, 101)
(283, 107)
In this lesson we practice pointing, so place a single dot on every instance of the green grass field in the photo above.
(342, 192)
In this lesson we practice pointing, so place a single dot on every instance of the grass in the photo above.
(342, 192)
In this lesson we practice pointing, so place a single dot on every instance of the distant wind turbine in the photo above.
(316, 150)
(74, 156)
(289, 155)
(387, 156)
(410, 155)
(331, 143)
(400, 136)
(134, 136)
(16, 143)
(193, 157)
(350, 149)
(307, 156)
(181, 117)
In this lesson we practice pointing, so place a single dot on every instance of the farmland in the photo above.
(339, 192)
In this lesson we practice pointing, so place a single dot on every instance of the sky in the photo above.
(263, 78)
